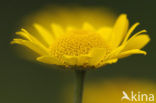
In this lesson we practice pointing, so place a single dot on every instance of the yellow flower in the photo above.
(86, 46)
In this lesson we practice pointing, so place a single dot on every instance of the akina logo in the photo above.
(137, 96)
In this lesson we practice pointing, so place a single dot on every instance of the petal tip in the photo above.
(36, 25)
(12, 42)
(124, 15)
(38, 58)
(144, 52)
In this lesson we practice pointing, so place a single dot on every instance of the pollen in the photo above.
(77, 43)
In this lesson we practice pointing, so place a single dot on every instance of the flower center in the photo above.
(77, 43)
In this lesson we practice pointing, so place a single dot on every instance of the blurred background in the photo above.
(22, 81)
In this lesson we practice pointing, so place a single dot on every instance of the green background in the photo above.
(22, 81)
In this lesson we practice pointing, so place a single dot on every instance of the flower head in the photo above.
(86, 46)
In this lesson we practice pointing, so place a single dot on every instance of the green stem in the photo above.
(79, 86)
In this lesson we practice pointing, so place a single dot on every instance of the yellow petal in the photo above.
(76, 60)
(87, 26)
(115, 52)
(130, 32)
(138, 33)
(57, 30)
(47, 37)
(36, 48)
(137, 42)
(48, 60)
(105, 32)
(119, 30)
(70, 60)
(131, 52)
(83, 60)
(111, 61)
(26, 35)
(23, 33)
(96, 54)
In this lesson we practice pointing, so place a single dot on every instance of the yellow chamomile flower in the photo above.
(87, 46)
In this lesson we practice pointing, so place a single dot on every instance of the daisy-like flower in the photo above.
(87, 46)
